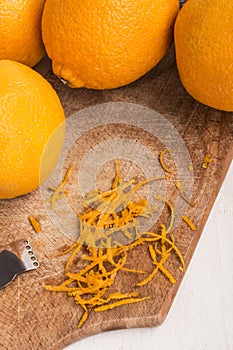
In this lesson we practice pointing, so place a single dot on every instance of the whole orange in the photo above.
(32, 129)
(204, 51)
(103, 44)
(20, 31)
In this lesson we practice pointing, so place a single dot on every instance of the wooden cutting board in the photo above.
(33, 318)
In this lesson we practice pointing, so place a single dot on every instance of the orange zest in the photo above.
(189, 223)
(207, 159)
(119, 303)
(109, 230)
(180, 187)
(163, 165)
(35, 224)
(159, 257)
(59, 192)
(170, 206)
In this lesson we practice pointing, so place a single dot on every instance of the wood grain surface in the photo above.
(33, 318)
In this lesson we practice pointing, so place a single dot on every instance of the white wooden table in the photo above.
(201, 317)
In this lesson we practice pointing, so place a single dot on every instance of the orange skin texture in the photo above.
(104, 44)
(204, 51)
(20, 31)
(30, 114)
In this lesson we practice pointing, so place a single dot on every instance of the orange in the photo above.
(103, 44)
(204, 51)
(20, 31)
(31, 129)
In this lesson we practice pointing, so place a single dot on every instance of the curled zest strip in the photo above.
(159, 265)
(83, 319)
(119, 303)
(164, 254)
(180, 187)
(72, 256)
(59, 192)
(170, 206)
(64, 252)
(171, 243)
(165, 168)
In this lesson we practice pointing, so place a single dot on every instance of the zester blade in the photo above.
(15, 258)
